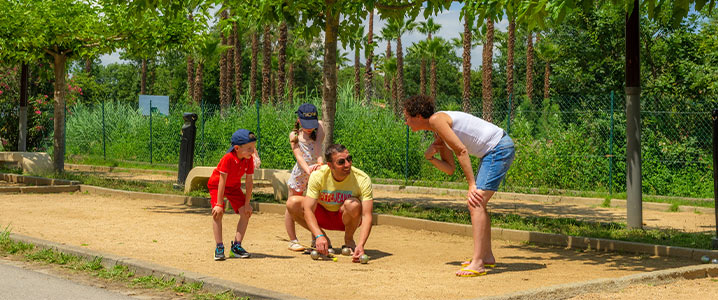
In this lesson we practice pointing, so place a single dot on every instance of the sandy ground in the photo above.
(704, 288)
(406, 264)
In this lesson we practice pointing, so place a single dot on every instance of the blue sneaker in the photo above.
(219, 252)
(238, 251)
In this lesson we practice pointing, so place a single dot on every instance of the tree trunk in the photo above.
(422, 77)
(369, 76)
(230, 68)
(237, 65)
(22, 113)
(190, 79)
(266, 63)
(329, 88)
(223, 71)
(153, 76)
(399, 76)
(466, 67)
(387, 79)
(143, 78)
(58, 154)
(487, 68)
(393, 94)
(357, 74)
(433, 79)
(198, 84)
(510, 65)
(529, 66)
(546, 83)
(88, 65)
(290, 83)
(253, 67)
(282, 61)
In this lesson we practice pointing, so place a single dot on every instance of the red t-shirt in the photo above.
(234, 167)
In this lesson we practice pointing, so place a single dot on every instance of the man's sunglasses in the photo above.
(342, 161)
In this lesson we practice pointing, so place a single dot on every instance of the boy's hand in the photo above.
(217, 211)
(246, 210)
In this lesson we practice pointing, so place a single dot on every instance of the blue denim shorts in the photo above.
(495, 164)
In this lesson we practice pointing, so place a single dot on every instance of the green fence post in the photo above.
(104, 148)
(406, 158)
(610, 153)
(508, 117)
(150, 132)
(258, 128)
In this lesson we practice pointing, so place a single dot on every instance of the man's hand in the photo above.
(474, 197)
(322, 245)
(217, 211)
(246, 210)
(358, 251)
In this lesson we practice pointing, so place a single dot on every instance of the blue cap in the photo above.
(241, 137)
(307, 114)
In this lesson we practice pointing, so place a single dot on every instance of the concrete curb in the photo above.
(40, 189)
(539, 198)
(564, 291)
(32, 180)
(143, 268)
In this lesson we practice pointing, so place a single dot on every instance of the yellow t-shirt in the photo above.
(331, 193)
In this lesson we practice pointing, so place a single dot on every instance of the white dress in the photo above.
(298, 179)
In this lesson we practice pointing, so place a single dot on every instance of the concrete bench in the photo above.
(30, 162)
(199, 176)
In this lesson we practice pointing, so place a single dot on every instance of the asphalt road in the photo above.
(17, 283)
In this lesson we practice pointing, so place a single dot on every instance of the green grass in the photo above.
(94, 267)
(110, 162)
(120, 184)
(5, 169)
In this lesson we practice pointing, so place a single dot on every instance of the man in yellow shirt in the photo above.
(339, 197)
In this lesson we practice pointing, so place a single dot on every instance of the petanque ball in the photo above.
(314, 255)
(364, 259)
(705, 259)
(346, 251)
(714, 261)
(334, 259)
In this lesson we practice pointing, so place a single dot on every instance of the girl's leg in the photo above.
(289, 221)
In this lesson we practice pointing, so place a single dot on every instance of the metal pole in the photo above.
(715, 173)
(610, 153)
(508, 117)
(150, 131)
(258, 128)
(406, 158)
(104, 148)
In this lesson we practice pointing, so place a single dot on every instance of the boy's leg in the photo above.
(241, 228)
(217, 228)
(351, 217)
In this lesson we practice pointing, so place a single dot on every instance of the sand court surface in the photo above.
(406, 264)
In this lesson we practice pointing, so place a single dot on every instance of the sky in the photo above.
(451, 27)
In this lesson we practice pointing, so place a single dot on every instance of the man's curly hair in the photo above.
(422, 105)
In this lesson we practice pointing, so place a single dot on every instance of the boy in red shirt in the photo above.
(226, 181)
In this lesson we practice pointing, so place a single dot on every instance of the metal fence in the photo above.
(569, 142)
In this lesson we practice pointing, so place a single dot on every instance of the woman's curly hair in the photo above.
(422, 105)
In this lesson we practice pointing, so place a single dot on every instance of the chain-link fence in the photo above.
(568, 142)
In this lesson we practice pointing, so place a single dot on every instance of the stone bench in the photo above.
(199, 176)
(30, 162)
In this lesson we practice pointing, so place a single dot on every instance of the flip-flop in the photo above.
(473, 273)
(464, 264)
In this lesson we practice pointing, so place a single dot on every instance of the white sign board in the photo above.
(160, 104)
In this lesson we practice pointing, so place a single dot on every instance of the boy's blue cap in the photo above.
(307, 114)
(241, 137)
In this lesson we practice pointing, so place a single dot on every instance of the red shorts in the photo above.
(235, 196)
(330, 220)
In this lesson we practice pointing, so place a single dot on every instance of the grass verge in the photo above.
(118, 273)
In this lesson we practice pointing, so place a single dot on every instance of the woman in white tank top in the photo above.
(464, 134)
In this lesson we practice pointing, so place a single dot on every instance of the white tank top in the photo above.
(478, 135)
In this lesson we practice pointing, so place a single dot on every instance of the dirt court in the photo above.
(406, 264)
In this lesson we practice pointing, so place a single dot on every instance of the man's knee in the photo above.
(352, 207)
(294, 204)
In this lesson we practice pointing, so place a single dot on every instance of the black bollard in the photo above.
(186, 156)
(715, 173)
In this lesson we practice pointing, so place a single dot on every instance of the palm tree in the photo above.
(357, 39)
(208, 48)
(387, 35)
(369, 54)
(281, 57)
(487, 68)
(401, 26)
(466, 63)
(548, 52)
(511, 10)
(529, 66)
(388, 66)
(435, 48)
(237, 62)
(420, 50)
(296, 53)
(428, 28)
(253, 64)
(266, 63)
(190, 69)
(224, 99)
